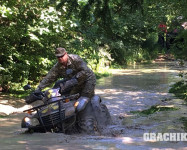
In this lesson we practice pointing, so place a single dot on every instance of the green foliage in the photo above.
(127, 30)
(180, 89)
(179, 47)
(150, 46)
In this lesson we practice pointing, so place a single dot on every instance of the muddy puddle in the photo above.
(126, 93)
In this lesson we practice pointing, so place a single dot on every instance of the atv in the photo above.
(57, 113)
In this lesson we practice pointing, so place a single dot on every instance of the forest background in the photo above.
(103, 32)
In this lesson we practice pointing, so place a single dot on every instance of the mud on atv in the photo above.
(59, 114)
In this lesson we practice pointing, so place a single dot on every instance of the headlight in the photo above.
(31, 121)
(27, 120)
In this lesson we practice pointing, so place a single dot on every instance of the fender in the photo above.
(101, 112)
(81, 103)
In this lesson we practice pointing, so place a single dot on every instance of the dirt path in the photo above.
(10, 105)
(133, 89)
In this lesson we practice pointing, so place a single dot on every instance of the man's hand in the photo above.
(37, 91)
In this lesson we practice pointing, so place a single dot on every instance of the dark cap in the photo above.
(60, 51)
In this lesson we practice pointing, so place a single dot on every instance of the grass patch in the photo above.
(184, 121)
(154, 109)
(101, 75)
(2, 116)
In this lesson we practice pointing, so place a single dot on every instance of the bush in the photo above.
(180, 89)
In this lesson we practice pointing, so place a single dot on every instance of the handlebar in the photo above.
(61, 98)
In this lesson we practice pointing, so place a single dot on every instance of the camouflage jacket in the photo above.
(78, 67)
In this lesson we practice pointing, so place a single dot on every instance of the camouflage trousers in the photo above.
(87, 89)
(85, 118)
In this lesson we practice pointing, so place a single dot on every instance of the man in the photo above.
(77, 78)
(162, 30)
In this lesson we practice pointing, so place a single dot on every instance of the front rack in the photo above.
(61, 111)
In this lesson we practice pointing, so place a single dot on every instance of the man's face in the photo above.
(63, 59)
